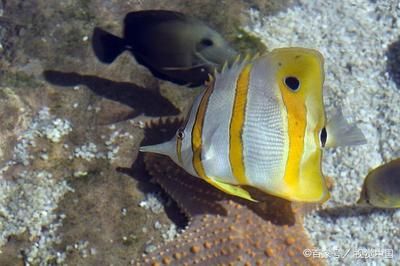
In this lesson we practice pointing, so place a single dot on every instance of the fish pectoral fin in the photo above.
(184, 68)
(231, 189)
(342, 133)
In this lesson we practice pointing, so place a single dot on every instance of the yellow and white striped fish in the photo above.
(261, 123)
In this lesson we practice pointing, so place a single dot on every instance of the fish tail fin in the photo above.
(107, 46)
(341, 133)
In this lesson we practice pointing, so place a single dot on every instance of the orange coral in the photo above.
(225, 230)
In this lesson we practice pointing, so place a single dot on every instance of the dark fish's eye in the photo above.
(180, 134)
(323, 136)
(292, 83)
(206, 42)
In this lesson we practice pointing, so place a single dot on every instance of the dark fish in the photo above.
(382, 186)
(172, 45)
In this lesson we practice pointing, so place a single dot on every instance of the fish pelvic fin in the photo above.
(341, 133)
(231, 189)
(107, 46)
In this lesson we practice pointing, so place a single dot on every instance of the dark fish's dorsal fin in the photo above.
(153, 17)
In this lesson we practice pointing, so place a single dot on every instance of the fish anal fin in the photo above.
(231, 189)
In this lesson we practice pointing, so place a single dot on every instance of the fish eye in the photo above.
(180, 134)
(323, 136)
(292, 83)
(206, 42)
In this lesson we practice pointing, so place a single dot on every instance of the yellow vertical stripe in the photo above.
(297, 121)
(236, 157)
(197, 132)
(303, 112)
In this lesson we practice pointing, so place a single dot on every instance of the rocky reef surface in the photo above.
(360, 42)
(73, 189)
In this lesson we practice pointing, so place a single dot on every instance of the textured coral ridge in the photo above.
(227, 231)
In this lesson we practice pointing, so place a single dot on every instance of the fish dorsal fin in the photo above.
(224, 82)
(209, 81)
(341, 133)
(237, 59)
(154, 17)
(238, 63)
(224, 66)
(255, 56)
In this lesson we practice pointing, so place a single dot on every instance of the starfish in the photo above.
(226, 230)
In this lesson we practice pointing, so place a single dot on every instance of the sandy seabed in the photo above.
(359, 40)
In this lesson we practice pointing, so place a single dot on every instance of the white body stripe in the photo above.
(265, 129)
(216, 126)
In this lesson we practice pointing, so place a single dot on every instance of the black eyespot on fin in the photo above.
(292, 83)
(180, 134)
(323, 135)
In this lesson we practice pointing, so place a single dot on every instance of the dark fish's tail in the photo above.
(107, 46)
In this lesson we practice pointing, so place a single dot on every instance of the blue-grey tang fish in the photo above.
(172, 45)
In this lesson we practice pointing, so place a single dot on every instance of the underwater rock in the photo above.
(223, 229)
(59, 182)
(84, 138)
(31, 184)
(13, 117)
